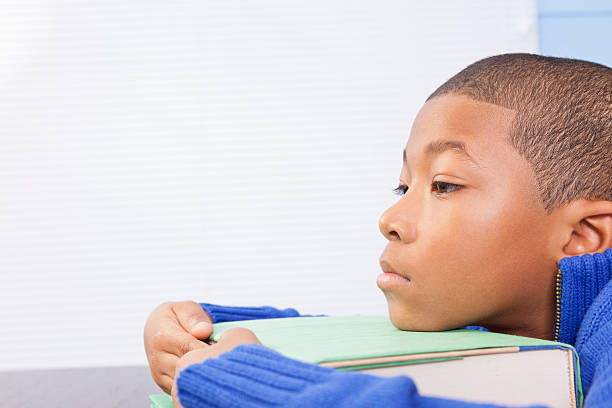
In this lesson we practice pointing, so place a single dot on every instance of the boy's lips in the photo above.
(387, 268)
(388, 280)
(389, 274)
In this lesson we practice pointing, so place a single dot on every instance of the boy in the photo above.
(504, 222)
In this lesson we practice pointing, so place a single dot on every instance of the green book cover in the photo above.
(323, 339)
(161, 401)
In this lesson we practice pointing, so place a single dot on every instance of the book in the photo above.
(464, 364)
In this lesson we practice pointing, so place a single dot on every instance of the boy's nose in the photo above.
(396, 223)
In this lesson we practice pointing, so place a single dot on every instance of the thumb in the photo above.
(193, 319)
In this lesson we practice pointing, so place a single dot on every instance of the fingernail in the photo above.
(201, 326)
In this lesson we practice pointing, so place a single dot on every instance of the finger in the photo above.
(162, 364)
(227, 342)
(166, 364)
(165, 383)
(193, 357)
(175, 400)
(233, 337)
(193, 319)
(179, 343)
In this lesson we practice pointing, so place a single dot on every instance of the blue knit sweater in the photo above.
(253, 376)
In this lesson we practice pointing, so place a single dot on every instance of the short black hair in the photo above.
(563, 121)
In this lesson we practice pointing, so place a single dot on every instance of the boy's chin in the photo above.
(411, 320)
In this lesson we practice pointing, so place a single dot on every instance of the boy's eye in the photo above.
(441, 187)
(401, 189)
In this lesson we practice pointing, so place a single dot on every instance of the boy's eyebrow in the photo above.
(438, 147)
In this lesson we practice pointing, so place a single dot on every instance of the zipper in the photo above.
(558, 292)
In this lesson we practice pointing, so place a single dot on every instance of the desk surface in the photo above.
(111, 387)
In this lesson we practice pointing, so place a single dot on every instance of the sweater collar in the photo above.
(582, 277)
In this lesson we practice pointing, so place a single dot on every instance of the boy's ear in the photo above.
(588, 227)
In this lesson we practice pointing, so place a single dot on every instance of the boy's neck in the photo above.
(531, 320)
(583, 277)
(538, 333)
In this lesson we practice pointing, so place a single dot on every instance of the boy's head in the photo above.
(507, 170)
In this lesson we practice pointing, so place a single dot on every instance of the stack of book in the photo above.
(463, 364)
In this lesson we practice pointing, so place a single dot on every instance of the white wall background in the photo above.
(225, 151)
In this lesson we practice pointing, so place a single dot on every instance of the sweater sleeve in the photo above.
(253, 376)
(220, 314)
(594, 346)
(599, 354)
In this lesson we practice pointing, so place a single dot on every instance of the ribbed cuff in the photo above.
(220, 314)
(248, 376)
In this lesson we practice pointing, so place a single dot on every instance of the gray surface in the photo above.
(78, 387)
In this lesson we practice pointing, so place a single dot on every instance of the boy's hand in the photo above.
(227, 341)
(173, 329)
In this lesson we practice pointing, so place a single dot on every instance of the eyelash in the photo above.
(438, 185)
(400, 190)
